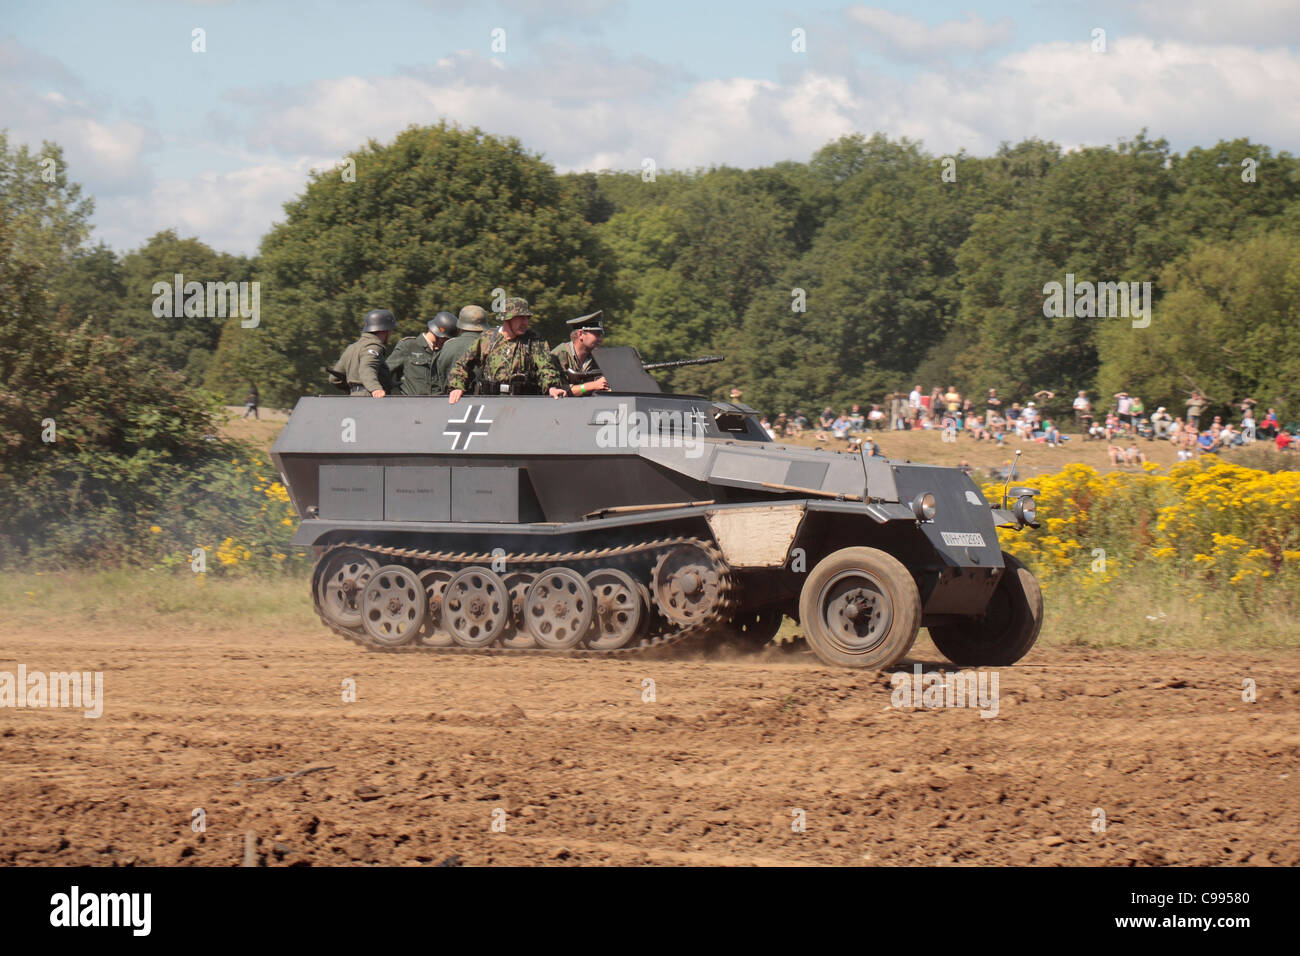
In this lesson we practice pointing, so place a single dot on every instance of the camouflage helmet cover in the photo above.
(471, 318)
(516, 307)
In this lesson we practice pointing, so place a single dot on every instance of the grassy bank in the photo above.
(146, 600)
(1138, 612)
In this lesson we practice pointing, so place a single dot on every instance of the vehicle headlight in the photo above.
(1026, 510)
(923, 506)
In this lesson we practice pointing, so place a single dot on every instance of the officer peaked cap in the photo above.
(588, 323)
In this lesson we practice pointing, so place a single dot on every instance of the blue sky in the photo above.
(213, 143)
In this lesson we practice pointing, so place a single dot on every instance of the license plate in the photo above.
(963, 539)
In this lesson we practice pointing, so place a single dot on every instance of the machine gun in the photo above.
(623, 369)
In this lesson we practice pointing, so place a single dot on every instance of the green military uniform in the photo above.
(362, 366)
(450, 355)
(413, 367)
(524, 361)
(574, 370)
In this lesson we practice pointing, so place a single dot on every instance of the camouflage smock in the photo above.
(497, 359)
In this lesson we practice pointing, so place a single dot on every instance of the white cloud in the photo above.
(106, 155)
(1263, 22)
(583, 108)
(228, 211)
(903, 37)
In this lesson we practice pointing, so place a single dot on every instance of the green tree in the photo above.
(1228, 324)
(183, 343)
(435, 220)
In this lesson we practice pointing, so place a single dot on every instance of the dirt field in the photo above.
(580, 769)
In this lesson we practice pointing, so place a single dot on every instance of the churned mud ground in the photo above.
(569, 761)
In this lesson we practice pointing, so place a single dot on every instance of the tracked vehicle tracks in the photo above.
(640, 560)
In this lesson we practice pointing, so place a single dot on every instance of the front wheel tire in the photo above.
(860, 608)
(1008, 628)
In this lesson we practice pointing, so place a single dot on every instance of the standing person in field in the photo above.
(992, 406)
(252, 400)
(952, 401)
(1196, 408)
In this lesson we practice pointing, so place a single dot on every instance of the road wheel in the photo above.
(340, 579)
(860, 608)
(393, 605)
(1008, 627)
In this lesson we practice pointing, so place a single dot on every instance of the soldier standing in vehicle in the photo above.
(510, 360)
(361, 366)
(470, 324)
(412, 363)
(575, 359)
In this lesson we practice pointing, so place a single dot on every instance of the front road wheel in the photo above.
(860, 608)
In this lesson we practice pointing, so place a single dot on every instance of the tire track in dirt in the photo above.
(580, 769)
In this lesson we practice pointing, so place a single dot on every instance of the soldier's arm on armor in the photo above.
(458, 377)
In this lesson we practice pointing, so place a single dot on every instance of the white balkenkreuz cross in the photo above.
(466, 429)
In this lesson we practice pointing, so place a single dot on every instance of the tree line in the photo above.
(871, 267)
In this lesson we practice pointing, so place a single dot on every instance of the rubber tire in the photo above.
(974, 643)
(893, 581)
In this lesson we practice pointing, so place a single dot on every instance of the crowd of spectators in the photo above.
(990, 419)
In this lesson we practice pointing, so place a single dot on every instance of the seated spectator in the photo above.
(840, 427)
(1144, 429)
(876, 417)
(1248, 426)
(1136, 410)
(1133, 456)
(800, 422)
(1284, 440)
(1161, 421)
(1051, 433)
(1229, 436)
(782, 425)
(1013, 413)
(767, 427)
(976, 427)
(856, 420)
(1209, 443)
(1097, 432)
(869, 447)
(1113, 425)
(1268, 428)
(1116, 455)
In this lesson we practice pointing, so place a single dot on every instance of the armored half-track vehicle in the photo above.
(634, 519)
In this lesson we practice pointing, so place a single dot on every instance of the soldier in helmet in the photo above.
(361, 366)
(470, 325)
(581, 373)
(413, 360)
(510, 360)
